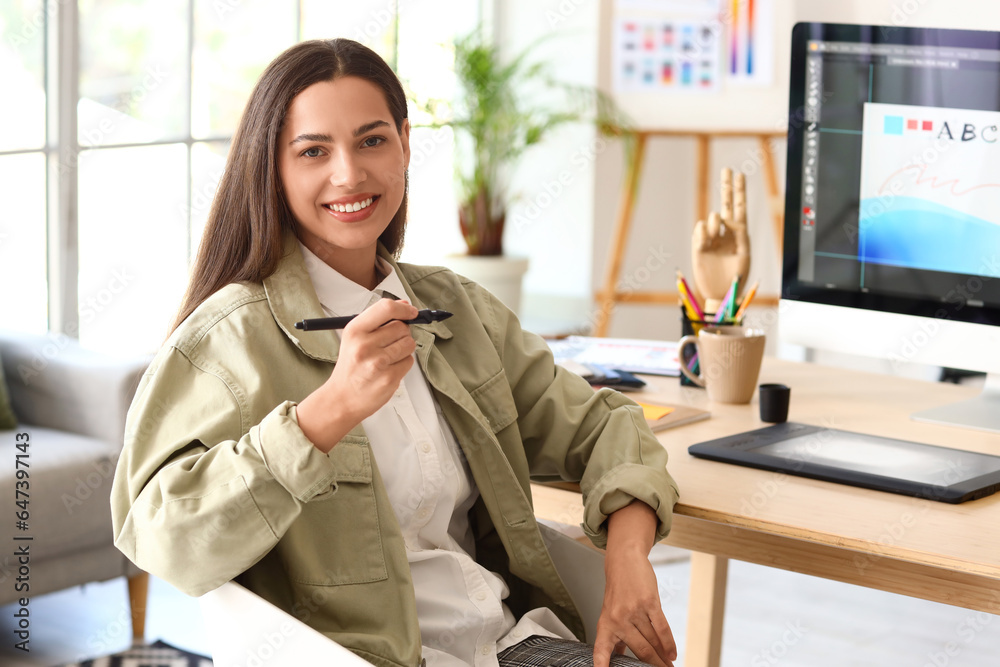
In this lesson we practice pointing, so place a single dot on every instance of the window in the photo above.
(101, 226)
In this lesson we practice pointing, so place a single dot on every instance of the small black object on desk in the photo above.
(774, 400)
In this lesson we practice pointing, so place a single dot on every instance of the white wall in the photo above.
(566, 229)
(665, 209)
(552, 220)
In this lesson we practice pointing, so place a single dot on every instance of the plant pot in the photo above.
(499, 274)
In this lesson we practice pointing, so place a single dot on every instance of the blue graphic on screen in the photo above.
(893, 125)
(915, 233)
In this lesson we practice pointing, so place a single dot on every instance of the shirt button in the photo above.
(485, 650)
(481, 596)
(425, 448)
(424, 513)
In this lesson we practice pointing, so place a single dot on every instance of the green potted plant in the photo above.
(496, 116)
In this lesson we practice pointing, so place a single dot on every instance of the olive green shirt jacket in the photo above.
(217, 482)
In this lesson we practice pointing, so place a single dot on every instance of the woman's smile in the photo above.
(352, 209)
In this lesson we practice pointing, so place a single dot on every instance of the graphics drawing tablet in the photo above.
(872, 462)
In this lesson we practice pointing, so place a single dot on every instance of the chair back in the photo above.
(246, 631)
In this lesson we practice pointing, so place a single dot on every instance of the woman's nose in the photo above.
(347, 170)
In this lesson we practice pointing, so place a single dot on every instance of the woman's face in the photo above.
(343, 167)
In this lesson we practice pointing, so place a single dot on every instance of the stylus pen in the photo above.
(321, 323)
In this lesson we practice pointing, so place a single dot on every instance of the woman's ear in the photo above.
(404, 137)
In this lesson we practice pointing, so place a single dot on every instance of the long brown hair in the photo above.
(243, 238)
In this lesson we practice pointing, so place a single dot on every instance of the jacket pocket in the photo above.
(337, 539)
(496, 402)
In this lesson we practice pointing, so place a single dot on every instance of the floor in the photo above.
(773, 618)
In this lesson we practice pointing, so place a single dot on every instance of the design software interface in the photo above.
(901, 170)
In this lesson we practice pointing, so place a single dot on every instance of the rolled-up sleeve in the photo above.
(573, 433)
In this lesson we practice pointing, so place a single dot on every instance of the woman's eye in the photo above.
(371, 142)
(311, 152)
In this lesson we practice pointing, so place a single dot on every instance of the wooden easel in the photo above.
(609, 296)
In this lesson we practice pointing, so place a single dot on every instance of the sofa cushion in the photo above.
(7, 417)
(69, 489)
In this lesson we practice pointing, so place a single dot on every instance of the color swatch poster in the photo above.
(930, 188)
(749, 41)
(665, 54)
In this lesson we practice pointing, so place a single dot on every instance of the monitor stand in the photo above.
(981, 412)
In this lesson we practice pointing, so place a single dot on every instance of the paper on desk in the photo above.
(655, 357)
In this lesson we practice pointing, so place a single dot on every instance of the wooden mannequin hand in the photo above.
(720, 246)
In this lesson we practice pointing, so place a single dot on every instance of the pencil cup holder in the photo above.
(689, 356)
(729, 357)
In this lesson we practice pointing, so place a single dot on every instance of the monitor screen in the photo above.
(893, 190)
(892, 209)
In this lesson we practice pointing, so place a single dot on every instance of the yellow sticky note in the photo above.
(655, 412)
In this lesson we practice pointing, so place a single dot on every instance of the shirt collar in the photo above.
(292, 297)
(340, 295)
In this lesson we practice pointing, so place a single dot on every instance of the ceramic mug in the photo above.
(729, 357)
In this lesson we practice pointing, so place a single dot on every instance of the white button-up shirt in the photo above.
(463, 619)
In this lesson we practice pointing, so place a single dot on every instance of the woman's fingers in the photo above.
(380, 313)
(634, 639)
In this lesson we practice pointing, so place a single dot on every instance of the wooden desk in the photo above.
(931, 550)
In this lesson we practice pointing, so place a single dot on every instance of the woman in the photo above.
(372, 482)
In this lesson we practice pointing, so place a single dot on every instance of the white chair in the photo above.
(246, 630)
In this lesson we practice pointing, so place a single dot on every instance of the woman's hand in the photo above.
(375, 353)
(631, 615)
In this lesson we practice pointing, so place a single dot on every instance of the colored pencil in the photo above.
(724, 306)
(691, 299)
(746, 302)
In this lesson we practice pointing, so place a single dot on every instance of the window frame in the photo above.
(62, 149)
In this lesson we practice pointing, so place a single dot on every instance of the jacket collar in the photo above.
(291, 297)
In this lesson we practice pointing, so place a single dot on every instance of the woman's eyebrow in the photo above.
(326, 138)
(368, 127)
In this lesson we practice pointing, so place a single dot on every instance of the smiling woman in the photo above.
(286, 117)
(382, 472)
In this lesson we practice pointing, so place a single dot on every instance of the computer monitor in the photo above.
(892, 215)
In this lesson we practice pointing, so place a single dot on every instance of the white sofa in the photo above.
(71, 403)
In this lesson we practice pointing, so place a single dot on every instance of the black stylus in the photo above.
(321, 323)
